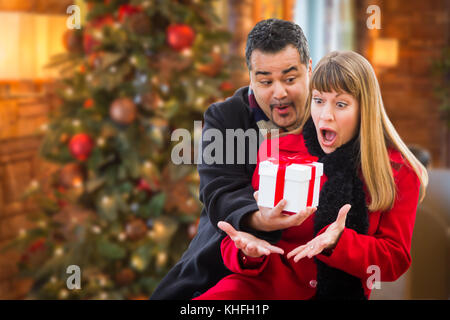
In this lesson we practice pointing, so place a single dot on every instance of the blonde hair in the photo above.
(350, 72)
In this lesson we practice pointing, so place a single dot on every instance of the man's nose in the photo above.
(279, 92)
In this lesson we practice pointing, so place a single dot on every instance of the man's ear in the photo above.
(310, 67)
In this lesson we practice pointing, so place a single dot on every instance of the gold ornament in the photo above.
(151, 101)
(139, 23)
(136, 229)
(137, 263)
(71, 175)
(125, 277)
(212, 68)
(123, 111)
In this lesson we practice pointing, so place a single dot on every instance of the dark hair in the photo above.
(273, 35)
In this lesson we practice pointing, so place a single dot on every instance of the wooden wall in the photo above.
(23, 112)
(422, 29)
(36, 6)
(24, 108)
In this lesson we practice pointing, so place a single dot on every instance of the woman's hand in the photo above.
(326, 240)
(250, 245)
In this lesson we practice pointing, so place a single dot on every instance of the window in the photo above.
(328, 25)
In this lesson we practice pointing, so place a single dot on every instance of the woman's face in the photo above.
(336, 117)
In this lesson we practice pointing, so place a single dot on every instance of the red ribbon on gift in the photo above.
(283, 162)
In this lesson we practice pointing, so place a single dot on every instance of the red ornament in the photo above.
(180, 36)
(106, 20)
(226, 86)
(89, 103)
(80, 146)
(144, 186)
(127, 10)
(37, 245)
(35, 253)
(89, 43)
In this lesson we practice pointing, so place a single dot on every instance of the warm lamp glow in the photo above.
(27, 41)
(385, 52)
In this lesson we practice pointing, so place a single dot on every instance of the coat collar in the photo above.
(292, 143)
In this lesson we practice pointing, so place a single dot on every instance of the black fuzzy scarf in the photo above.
(343, 186)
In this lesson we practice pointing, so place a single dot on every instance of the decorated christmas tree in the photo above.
(118, 207)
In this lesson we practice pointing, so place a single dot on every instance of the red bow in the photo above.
(288, 160)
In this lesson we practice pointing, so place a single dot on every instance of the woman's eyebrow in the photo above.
(341, 93)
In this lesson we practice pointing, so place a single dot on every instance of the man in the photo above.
(277, 57)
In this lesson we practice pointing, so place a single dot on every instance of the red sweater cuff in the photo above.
(250, 262)
(237, 262)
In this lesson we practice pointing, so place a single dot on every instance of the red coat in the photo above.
(387, 245)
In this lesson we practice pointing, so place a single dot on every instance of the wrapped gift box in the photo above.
(295, 179)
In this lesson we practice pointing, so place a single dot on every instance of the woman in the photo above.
(367, 205)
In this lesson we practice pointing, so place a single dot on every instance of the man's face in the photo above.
(280, 85)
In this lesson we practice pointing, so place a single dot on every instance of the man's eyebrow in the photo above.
(264, 73)
(267, 73)
(289, 70)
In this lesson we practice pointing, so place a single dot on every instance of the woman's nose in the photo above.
(327, 113)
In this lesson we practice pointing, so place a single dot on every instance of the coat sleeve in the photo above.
(225, 189)
(388, 250)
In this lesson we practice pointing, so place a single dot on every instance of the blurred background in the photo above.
(86, 116)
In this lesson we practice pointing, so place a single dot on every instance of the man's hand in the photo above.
(247, 243)
(326, 240)
(271, 219)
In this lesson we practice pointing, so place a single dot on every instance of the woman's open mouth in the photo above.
(328, 136)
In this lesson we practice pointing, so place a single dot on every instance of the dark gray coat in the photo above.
(227, 194)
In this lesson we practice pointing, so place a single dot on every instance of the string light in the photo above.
(101, 142)
(161, 259)
(22, 233)
(106, 201)
(59, 251)
(96, 229)
(44, 127)
(158, 232)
